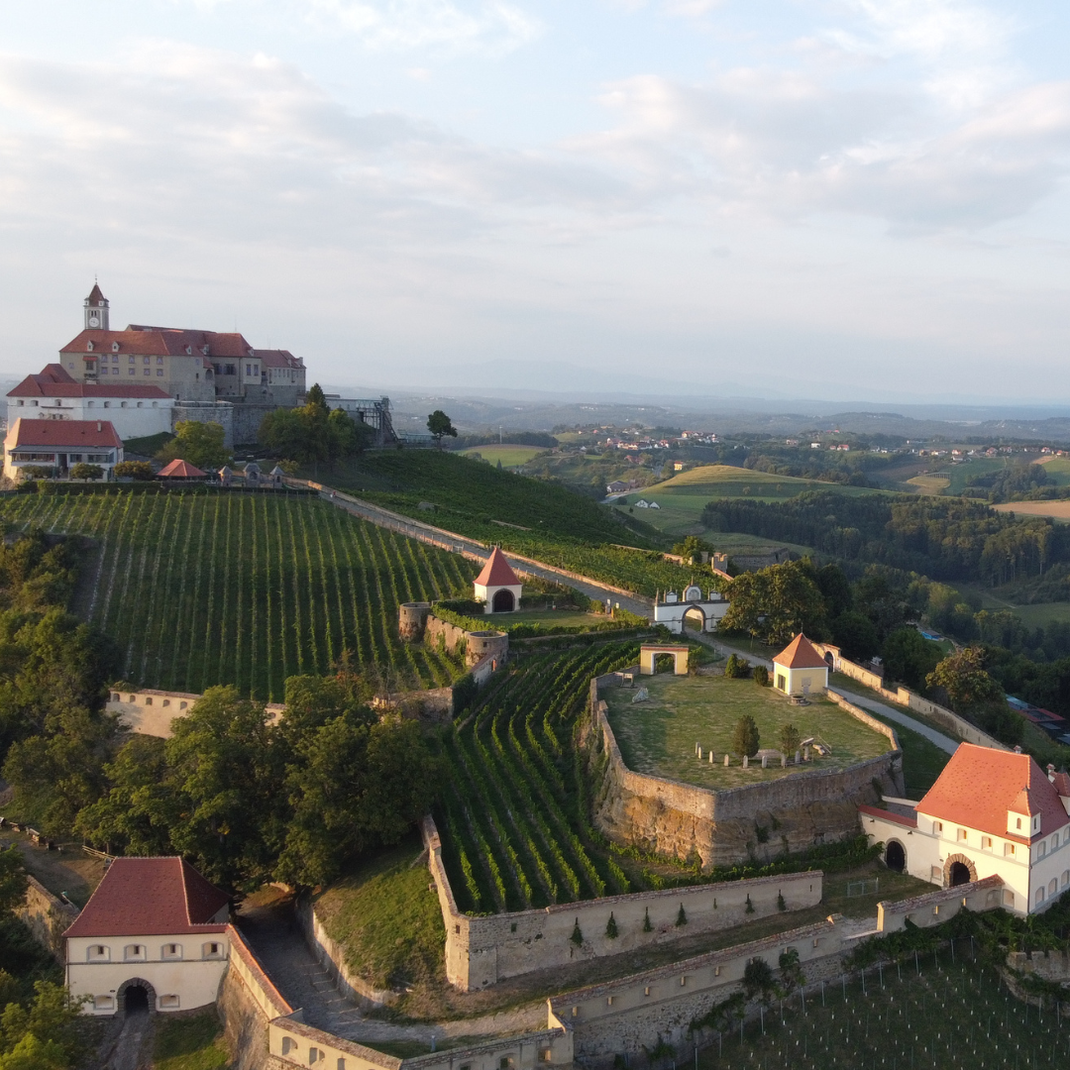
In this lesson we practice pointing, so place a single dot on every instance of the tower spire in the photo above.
(95, 309)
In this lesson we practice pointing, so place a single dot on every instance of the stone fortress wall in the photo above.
(673, 818)
(484, 949)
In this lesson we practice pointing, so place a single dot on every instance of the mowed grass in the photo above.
(658, 736)
(566, 618)
(682, 499)
(190, 1043)
(930, 483)
(510, 456)
(247, 589)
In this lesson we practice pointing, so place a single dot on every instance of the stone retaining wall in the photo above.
(46, 916)
(798, 811)
(934, 908)
(484, 949)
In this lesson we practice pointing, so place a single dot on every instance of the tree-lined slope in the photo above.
(204, 589)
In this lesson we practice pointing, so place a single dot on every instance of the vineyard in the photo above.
(203, 589)
(515, 819)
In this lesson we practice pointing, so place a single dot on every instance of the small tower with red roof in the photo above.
(799, 669)
(498, 585)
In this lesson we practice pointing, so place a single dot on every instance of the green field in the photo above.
(683, 498)
(199, 589)
(509, 456)
(658, 736)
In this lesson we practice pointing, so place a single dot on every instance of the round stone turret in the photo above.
(482, 643)
(412, 618)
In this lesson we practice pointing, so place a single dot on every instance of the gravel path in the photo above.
(131, 1049)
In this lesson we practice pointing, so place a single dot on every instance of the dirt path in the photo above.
(127, 1044)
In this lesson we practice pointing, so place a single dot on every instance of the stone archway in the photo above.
(895, 856)
(135, 996)
(958, 869)
(503, 602)
(695, 618)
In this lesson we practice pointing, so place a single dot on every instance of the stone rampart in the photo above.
(207, 412)
(477, 645)
(46, 916)
(482, 950)
(623, 1017)
(724, 827)
(934, 908)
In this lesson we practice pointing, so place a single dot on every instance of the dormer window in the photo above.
(89, 345)
(189, 350)
(115, 347)
(204, 350)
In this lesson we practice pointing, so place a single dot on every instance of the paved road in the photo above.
(477, 551)
(945, 743)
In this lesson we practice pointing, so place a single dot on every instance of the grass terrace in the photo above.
(507, 454)
(658, 736)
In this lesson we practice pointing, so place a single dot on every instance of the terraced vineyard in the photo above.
(202, 589)
(515, 820)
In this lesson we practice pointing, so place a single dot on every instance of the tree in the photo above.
(745, 739)
(775, 603)
(199, 443)
(856, 635)
(692, 549)
(909, 657)
(972, 692)
(789, 739)
(438, 423)
(46, 1035)
(736, 668)
(140, 470)
(13, 881)
(86, 471)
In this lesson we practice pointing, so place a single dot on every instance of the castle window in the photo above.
(1008, 848)
(159, 372)
(133, 371)
(103, 1003)
(1055, 842)
(171, 951)
(986, 841)
(1043, 850)
(130, 359)
(134, 952)
(1008, 898)
(1053, 886)
(97, 953)
(962, 835)
(159, 360)
(169, 1003)
(114, 358)
(1039, 897)
(1018, 823)
(1066, 877)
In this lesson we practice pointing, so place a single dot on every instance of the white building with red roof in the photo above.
(135, 409)
(990, 813)
(498, 585)
(60, 444)
(154, 934)
(799, 669)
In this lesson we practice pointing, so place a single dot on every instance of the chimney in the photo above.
(99, 427)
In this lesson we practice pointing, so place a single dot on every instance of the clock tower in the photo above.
(96, 310)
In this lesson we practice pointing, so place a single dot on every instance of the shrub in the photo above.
(789, 739)
(141, 470)
(761, 675)
(736, 667)
(681, 917)
(577, 934)
(611, 927)
(647, 927)
(745, 740)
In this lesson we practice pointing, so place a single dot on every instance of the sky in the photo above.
(838, 198)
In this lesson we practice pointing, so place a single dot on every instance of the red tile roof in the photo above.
(979, 785)
(180, 469)
(63, 434)
(1061, 783)
(95, 296)
(278, 358)
(887, 815)
(800, 654)
(497, 572)
(150, 896)
(161, 341)
(55, 382)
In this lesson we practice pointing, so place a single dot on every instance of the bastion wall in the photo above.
(484, 949)
(725, 827)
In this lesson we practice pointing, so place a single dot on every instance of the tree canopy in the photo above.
(775, 603)
(313, 433)
(440, 425)
(199, 443)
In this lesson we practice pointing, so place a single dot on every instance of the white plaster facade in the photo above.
(673, 611)
(1028, 848)
(131, 417)
(183, 970)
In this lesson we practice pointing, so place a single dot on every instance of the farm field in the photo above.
(229, 588)
(942, 1012)
(930, 483)
(509, 456)
(1056, 510)
(682, 498)
(658, 737)
(514, 819)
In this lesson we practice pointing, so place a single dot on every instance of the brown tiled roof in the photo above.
(979, 786)
(180, 469)
(55, 382)
(63, 434)
(278, 358)
(800, 654)
(497, 572)
(95, 296)
(887, 815)
(161, 341)
(150, 896)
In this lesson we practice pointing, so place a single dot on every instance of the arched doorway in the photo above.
(895, 857)
(958, 874)
(695, 619)
(503, 602)
(136, 996)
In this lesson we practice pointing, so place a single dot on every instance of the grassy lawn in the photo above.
(659, 736)
(190, 1043)
(567, 618)
(923, 760)
(930, 483)
(387, 920)
(509, 455)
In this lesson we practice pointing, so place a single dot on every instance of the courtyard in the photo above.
(658, 736)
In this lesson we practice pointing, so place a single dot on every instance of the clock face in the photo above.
(94, 320)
